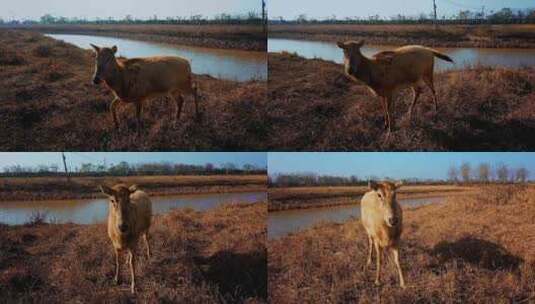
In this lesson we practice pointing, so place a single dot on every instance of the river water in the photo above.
(281, 223)
(96, 210)
(226, 64)
(463, 57)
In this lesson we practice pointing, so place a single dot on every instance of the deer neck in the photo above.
(364, 71)
(115, 78)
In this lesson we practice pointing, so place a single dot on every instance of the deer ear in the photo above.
(133, 188)
(114, 49)
(373, 185)
(107, 190)
(96, 48)
(360, 43)
(398, 184)
(341, 44)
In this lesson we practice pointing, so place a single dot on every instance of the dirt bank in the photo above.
(243, 37)
(57, 188)
(484, 36)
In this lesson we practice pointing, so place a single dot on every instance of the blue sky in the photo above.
(77, 158)
(32, 9)
(393, 165)
(289, 9)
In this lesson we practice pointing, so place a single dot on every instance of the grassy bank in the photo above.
(217, 256)
(315, 197)
(226, 36)
(488, 36)
(474, 249)
(55, 188)
(313, 106)
(48, 103)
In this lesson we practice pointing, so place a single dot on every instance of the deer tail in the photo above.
(441, 55)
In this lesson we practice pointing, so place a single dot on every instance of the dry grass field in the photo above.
(314, 107)
(492, 36)
(314, 197)
(50, 188)
(48, 103)
(473, 249)
(218, 256)
(228, 36)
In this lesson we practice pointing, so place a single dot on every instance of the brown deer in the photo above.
(382, 219)
(389, 71)
(129, 217)
(139, 79)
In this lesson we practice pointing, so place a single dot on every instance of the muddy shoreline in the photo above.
(59, 188)
(484, 36)
(322, 201)
(245, 37)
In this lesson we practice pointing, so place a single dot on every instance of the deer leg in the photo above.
(196, 99)
(146, 238)
(389, 104)
(431, 85)
(113, 111)
(417, 91)
(179, 105)
(378, 263)
(395, 254)
(385, 113)
(139, 109)
(370, 251)
(117, 266)
(132, 271)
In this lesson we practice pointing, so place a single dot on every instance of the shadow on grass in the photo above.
(478, 252)
(238, 275)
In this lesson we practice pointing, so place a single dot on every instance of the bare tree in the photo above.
(522, 175)
(502, 173)
(453, 174)
(465, 172)
(484, 172)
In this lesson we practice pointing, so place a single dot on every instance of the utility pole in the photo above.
(435, 13)
(264, 16)
(65, 165)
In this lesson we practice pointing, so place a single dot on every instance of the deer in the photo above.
(389, 71)
(382, 218)
(129, 217)
(136, 80)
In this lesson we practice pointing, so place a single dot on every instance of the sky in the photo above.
(384, 8)
(74, 159)
(394, 165)
(33, 9)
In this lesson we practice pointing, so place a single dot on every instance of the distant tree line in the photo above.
(464, 174)
(315, 180)
(485, 173)
(503, 16)
(223, 18)
(126, 169)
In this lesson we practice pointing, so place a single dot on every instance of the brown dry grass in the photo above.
(228, 36)
(313, 106)
(498, 36)
(49, 188)
(476, 249)
(217, 256)
(314, 197)
(48, 103)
